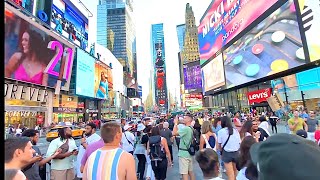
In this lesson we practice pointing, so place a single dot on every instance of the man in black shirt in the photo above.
(263, 134)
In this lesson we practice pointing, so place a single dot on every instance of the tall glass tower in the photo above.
(159, 66)
(115, 21)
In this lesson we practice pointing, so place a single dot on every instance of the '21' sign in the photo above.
(66, 57)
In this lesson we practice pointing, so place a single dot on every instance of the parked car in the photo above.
(77, 132)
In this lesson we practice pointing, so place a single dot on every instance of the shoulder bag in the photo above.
(225, 144)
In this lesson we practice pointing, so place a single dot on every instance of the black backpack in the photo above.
(194, 144)
(156, 154)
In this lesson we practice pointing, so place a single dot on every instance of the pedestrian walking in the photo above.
(186, 137)
(208, 138)
(229, 143)
(141, 149)
(110, 161)
(244, 157)
(273, 122)
(209, 163)
(128, 139)
(296, 123)
(313, 125)
(167, 133)
(159, 154)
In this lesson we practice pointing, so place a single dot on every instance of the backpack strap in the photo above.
(192, 136)
(206, 140)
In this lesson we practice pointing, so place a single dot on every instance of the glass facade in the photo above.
(181, 32)
(102, 25)
(299, 91)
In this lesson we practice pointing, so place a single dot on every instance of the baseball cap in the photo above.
(126, 127)
(286, 156)
(302, 133)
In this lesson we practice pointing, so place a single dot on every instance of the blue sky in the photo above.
(148, 12)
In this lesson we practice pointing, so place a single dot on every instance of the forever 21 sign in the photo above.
(15, 91)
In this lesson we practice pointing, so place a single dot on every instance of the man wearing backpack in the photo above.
(186, 147)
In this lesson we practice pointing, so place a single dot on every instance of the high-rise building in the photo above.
(119, 29)
(181, 32)
(190, 51)
(158, 64)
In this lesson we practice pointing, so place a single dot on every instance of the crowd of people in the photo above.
(219, 143)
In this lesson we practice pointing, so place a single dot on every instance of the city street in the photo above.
(173, 172)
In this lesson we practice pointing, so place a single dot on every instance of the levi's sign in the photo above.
(259, 96)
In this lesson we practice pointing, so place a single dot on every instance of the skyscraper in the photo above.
(181, 32)
(158, 64)
(116, 25)
(191, 48)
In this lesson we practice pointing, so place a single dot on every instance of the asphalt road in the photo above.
(172, 172)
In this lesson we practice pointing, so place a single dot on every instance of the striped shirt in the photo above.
(103, 164)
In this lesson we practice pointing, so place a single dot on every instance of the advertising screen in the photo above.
(85, 74)
(273, 46)
(192, 76)
(310, 13)
(33, 54)
(103, 81)
(70, 22)
(193, 100)
(38, 8)
(224, 20)
(213, 74)
(160, 78)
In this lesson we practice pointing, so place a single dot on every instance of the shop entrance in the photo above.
(262, 107)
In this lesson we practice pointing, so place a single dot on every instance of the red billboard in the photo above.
(259, 95)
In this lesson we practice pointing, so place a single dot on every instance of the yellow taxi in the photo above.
(77, 132)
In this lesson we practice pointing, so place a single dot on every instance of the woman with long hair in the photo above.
(247, 130)
(29, 64)
(102, 91)
(141, 149)
(244, 156)
(229, 143)
(208, 138)
(160, 163)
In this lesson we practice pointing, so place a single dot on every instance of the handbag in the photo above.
(225, 144)
(65, 147)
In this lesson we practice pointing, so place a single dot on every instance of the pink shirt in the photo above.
(21, 74)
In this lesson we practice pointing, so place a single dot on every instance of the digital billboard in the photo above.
(103, 81)
(224, 20)
(193, 100)
(67, 20)
(192, 76)
(35, 55)
(160, 77)
(273, 46)
(85, 74)
(213, 74)
(38, 8)
(310, 14)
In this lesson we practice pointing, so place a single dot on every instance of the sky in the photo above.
(147, 12)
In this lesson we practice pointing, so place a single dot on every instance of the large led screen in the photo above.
(33, 54)
(310, 13)
(224, 20)
(160, 77)
(103, 81)
(273, 46)
(213, 74)
(192, 76)
(70, 22)
(38, 8)
(85, 74)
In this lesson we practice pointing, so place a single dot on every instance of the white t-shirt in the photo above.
(125, 144)
(89, 140)
(234, 140)
(242, 174)
(265, 126)
(216, 178)
(18, 131)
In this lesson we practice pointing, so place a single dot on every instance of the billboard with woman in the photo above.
(33, 54)
(103, 81)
